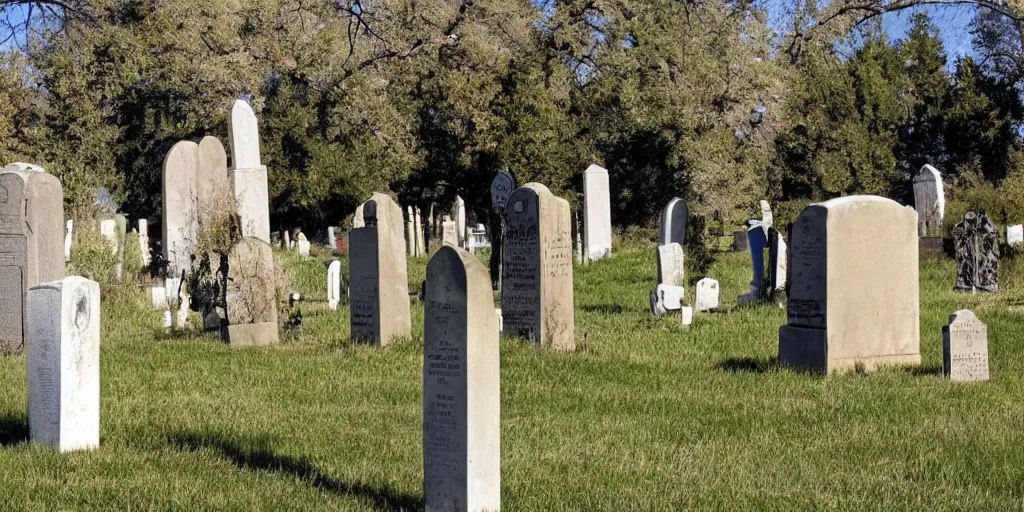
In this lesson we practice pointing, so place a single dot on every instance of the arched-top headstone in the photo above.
(245, 136)
(853, 295)
(215, 199)
(248, 175)
(597, 213)
(379, 298)
(180, 219)
(459, 216)
(537, 286)
(673, 222)
(929, 200)
(501, 187)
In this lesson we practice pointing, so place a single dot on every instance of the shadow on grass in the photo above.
(748, 365)
(13, 428)
(258, 455)
(607, 309)
(923, 371)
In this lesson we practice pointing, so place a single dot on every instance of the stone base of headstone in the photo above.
(805, 349)
(253, 335)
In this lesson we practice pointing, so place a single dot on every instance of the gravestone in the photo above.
(302, 245)
(597, 213)
(776, 262)
(144, 250)
(929, 200)
(673, 222)
(410, 233)
(357, 218)
(379, 280)
(666, 298)
(767, 217)
(31, 227)
(214, 193)
(757, 240)
(459, 216)
(332, 240)
(67, 240)
(248, 176)
(63, 364)
(853, 291)
(418, 229)
(450, 234)
(671, 268)
(1014, 235)
(251, 294)
(501, 188)
(158, 293)
(965, 348)
(537, 286)
(461, 386)
(120, 235)
(334, 284)
(108, 228)
(706, 295)
(687, 314)
(977, 254)
(180, 220)
(286, 239)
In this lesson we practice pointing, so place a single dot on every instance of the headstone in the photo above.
(977, 254)
(120, 235)
(31, 229)
(334, 284)
(597, 213)
(357, 219)
(67, 240)
(63, 359)
(580, 254)
(251, 294)
(286, 239)
(418, 230)
(461, 388)
(1014, 234)
(965, 348)
(673, 222)
(332, 240)
(501, 188)
(302, 244)
(248, 175)
(214, 194)
(537, 286)
(180, 220)
(108, 228)
(706, 295)
(776, 262)
(671, 268)
(767, 217)
(757, 240)
(459, 216)
(450, 236)
(144, 250)
(853, 292)
(410, 233)
(687, 315)
(158, 293)
(379, 297)
(665, 298)
(929, 200)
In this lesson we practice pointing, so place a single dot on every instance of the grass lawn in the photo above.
(646, 415)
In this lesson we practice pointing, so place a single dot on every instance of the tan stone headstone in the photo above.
(671, 266)
(461, 386)
(965, 348)
(180, 219)
(248, 176)
(379, 298)
(251, 294)
(537, 286)
(853, 300)
(32, 233)
(216, 200)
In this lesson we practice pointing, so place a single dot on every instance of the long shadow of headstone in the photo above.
(258, 455)
(747, 365)
(13, 428)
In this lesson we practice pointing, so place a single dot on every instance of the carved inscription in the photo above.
(808, 274)
(520, 294)
(965, 348)
(364, 303)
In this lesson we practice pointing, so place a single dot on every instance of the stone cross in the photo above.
(248, 175)
(706, 295)
(853, 291)
(671, 267)
(379, 280)
(977, 254)
(597, 213)
(673, 222)
(63, 360)
(31, 229)
(537, 285)
(251, 294)
(461, 386)
(929, 200)
(334, 284)
(965, 348)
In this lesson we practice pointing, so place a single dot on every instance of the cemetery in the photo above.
(373, 284)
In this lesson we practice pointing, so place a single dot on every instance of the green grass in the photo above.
(646, 415)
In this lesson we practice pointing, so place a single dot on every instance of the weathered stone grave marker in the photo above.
(965, 348)
(671, 265)
(248, 175)
(597, 213)
(929, 200)
(180, 219)
(379, 298)
(673, 222)
(706, 295)
(251, 294)
(334, 284)
(977, 254)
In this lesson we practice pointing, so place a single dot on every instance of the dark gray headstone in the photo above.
(673, 222)
(977, 253)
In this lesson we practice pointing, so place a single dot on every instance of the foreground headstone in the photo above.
(706, 295)
(965, 348)
(929, 200)
(597, 213)
(379, 298)
(977, 254)
(673, 222)
(461, 386)
(63, 358)
(248, 175)
(537, 286)
(334, 284)
(251, 294)
(671, 268)
(180, 220)
(1014, 234)
(666, 298)
(854, 293)
(31, 229)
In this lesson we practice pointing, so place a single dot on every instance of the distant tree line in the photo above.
(429, 99)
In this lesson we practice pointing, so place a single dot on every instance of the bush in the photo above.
(92, 258)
